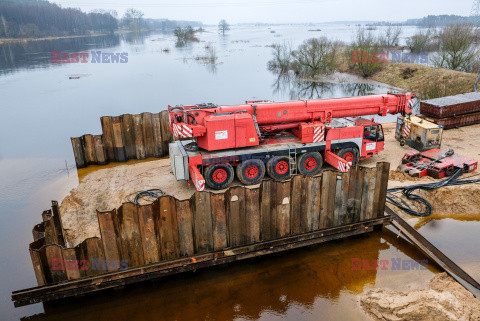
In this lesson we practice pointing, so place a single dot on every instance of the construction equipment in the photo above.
(418, 133)
(436, 163)
(280, 139)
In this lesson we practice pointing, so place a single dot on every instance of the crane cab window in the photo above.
(373, 133)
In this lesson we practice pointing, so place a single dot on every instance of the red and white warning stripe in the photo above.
(182, 131)
(406, 129)
(318, 134)
(200, 185)
(344, 167)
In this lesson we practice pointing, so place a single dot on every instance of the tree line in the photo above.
(42, 18)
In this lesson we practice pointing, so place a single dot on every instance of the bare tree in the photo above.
(133, 18)
(422, 41)
(457, 50)
(391, 37)
(365, 49)
(282, 58)
(223, 26)
(314, 57)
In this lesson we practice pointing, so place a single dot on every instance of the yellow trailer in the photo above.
(418, 133)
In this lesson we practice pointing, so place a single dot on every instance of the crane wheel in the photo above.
(251, 171)
(349, 154)
(310, 163)
(218, 176)
(278, 167)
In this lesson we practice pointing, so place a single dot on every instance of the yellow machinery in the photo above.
(418, 133)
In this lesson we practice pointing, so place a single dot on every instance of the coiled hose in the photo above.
(408, 191)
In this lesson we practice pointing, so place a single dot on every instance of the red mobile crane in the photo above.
(276, 138)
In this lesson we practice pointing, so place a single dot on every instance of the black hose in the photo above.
(408, 192)
(149, 195)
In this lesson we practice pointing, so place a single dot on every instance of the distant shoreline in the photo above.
(22, 40)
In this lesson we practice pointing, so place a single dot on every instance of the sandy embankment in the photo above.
(445, 299)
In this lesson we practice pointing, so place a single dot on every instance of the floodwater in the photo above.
(41, 108)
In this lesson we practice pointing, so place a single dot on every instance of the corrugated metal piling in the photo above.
(124, 137)
(171, 236)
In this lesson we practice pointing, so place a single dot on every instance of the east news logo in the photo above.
(94, 57)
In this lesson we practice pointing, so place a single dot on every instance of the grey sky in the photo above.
(277, 11)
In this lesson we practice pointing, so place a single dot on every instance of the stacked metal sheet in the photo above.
(453, 111)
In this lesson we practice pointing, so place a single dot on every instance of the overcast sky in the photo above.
(279, 11)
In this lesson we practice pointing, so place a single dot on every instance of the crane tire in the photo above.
(251, 171)
(218, 176)
(278, 167)
(350, 154)
(310, 164)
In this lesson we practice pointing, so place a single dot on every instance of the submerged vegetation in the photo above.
(451, 58)
(185, 35)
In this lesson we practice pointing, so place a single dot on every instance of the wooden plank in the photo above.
(267, 210)
(313, 193)
(372, 177)
(110, 241)
(282, 206)
(139, 145)
(381, 184)
(219, 216)
(365, 182)
(148, 135)
(52, 259)
(351, 201)
(89, 149)
(100, 157)
(71, 263)
(118, 143)
(237, 231)
(360, 175)
(78, 152)
(167, 136)
(129, 233)
(157, 135)
(185, 227)
(148, 234)
(340, 211)
(298, 216)
(51, 235)
(93, 253)
(252, 215)
(327, 207)
(129, 136)
(37, 267)
(203, 230)
(169, 245)
(107, 136)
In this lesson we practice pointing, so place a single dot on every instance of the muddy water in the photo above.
(41, 108)
(315, 283)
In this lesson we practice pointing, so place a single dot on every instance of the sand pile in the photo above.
(107, 189)
(445, 299)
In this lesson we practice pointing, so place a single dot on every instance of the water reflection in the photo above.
(316, 282)
(303, 89)
(38, 54)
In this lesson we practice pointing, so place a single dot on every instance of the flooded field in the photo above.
(41, 108)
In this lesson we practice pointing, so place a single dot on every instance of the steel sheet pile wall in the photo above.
(124, 137)
(208, 222)
(453, 111)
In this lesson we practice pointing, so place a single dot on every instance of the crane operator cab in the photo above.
(373, 139)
